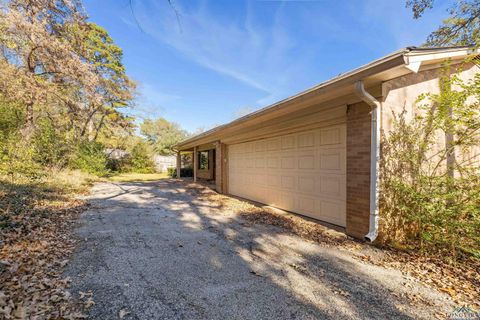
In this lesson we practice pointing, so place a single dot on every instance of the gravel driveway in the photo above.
(154, 251)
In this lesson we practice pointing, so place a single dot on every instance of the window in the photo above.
(203, 160)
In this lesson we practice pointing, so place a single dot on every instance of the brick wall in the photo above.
(358, 169)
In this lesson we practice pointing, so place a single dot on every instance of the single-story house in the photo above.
(316, 153)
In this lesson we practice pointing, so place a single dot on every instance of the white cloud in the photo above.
(253, 53)
(262, 51)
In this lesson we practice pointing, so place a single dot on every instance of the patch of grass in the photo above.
(70, 181)
(133, 177)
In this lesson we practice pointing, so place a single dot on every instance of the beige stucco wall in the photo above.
(402, 93)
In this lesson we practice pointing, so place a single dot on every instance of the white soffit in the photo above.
(415, 59)
(414, 66)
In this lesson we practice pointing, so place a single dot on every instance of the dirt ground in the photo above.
(158, 250)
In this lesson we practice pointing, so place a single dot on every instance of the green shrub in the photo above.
(141, 159)
(119, 165)
(17, 159)
(16, 156)
(51, 148)
(430, 194)
(184, 172)
(91, 157)
(172, 172)
(11, 119)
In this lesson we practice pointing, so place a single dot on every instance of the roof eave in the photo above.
(411, 58)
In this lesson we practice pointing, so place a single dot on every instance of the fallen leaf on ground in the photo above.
(36, 241)
(428, 269)
(89, 303)
(122, 313)
(255, 273)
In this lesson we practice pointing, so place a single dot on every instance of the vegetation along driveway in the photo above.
(163, 250)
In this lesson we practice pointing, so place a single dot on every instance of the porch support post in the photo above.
(179, 164)
(195, 163)
(220, 167)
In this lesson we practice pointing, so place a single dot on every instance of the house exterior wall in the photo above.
(358, 169)
(357, 120)
(208, 174)
(401, 94)
(221, 167)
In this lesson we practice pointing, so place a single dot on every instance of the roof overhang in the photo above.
(394, 65)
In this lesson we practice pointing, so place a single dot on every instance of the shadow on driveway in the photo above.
(156, 251)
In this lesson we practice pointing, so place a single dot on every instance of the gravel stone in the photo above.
(154, 251)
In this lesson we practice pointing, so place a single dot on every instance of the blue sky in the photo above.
(221, 59)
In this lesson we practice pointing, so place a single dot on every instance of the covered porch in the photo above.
(207, 162)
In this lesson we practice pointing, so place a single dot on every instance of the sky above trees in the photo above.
(218, 59)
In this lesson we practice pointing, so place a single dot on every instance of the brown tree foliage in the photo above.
(56, 64)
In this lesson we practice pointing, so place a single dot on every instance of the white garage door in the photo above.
(303, 172)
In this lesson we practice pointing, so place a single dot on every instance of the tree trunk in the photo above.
(28, 126)
(88, 125)
(100, 125)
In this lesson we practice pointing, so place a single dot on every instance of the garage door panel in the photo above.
(303, 172)
(260, 180)
(260, 146)
(273, 144)
(286, 201)
(332, 159)
(258, 194)
(274, 180)
(272, 162)
(249, 147)
(332, 135)
(306, 161)
(332, 186)
(329, 211)
(306, 184)
(288, 142)
(249, 162)
(287, 162)
(272, 197)
(306, 140)
(260, 162)
(288, 182)
(306, 205)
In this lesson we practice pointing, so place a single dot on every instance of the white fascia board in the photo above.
(419, 56)
(413, 66)
(415, 59)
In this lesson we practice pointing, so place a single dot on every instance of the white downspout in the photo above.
(374, 159)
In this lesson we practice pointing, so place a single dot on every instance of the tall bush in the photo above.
(16, 156)
(91, 157)
(430, 193)
(184, 172)
(141, 158)
(50, 145)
